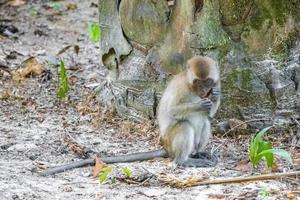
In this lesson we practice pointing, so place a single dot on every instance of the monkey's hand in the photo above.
(206, 104)
(215, 94)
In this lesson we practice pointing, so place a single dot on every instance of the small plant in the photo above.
(94, 31)
(127, 172)
(264, 193)
(260, 148)
(105, 173)
(56, 6)
(33, 11)
(63, 87)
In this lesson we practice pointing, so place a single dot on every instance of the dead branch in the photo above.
(197, 181)
(245, 122)
(251, 178)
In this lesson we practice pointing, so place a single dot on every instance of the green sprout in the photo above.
(262, 149)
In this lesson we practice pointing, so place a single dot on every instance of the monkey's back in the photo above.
(173, 95)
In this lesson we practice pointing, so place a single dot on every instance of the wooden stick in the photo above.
(251, 178)
(246, 122)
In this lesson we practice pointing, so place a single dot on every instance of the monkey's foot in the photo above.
(202, 155)
(212, 159)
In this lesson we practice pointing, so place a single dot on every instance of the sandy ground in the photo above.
(34, 123)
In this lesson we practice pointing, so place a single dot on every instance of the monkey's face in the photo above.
(203, 88)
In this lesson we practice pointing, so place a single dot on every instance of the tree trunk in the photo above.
(256, 43)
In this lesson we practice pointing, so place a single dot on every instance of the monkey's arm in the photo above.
(108, 160)
(216, 99)
(181, 111)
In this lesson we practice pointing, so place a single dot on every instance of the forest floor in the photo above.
(37, 130)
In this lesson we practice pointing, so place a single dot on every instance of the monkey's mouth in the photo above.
(205, 94)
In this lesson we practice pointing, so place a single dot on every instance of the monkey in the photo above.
(190, 99)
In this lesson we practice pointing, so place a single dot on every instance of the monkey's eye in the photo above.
(209, 82)
(197, 82)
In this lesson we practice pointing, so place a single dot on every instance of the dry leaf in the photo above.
(243, 166)
(73, 80)
(74, 146)
(16, 2)
(72, 6)
(30, 67)
(99, 165)
(291, 195)
(6, 94)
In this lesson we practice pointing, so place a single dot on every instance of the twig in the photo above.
(296, 121)
(5, 68)
(197, 181)
(251, 178)
(245, 122)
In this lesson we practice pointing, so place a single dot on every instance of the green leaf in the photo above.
(256, 146)
(33, 11)
(63, 86)
(263, 146)
(269, 156)
(56, 6)
(94, 31)
(252, 151)
(114, 180)
(261, 133)
(127, 172)
(264, 193)
(279, 152)
(103, 176)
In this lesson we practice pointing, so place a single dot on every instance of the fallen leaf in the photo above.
(72, 6)
(99, 165)
(73, 80)
(16, 2)
(243, 166)
(291, 195)
(30, 67)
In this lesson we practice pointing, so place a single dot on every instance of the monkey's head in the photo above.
(202, 75)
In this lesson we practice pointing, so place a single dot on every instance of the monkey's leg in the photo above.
(183, 145)
(182, 142)
(203, 159)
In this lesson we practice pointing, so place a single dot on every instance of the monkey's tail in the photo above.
(108, 160)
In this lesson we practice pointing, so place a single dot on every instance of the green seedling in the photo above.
(33, 11)
(262, 149)
(63, 86)
(264, 193)
(94, 31)
(127, 172)
(56, 6)
(105, 173)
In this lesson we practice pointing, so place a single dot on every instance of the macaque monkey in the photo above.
(184, 112)
(191, 98)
